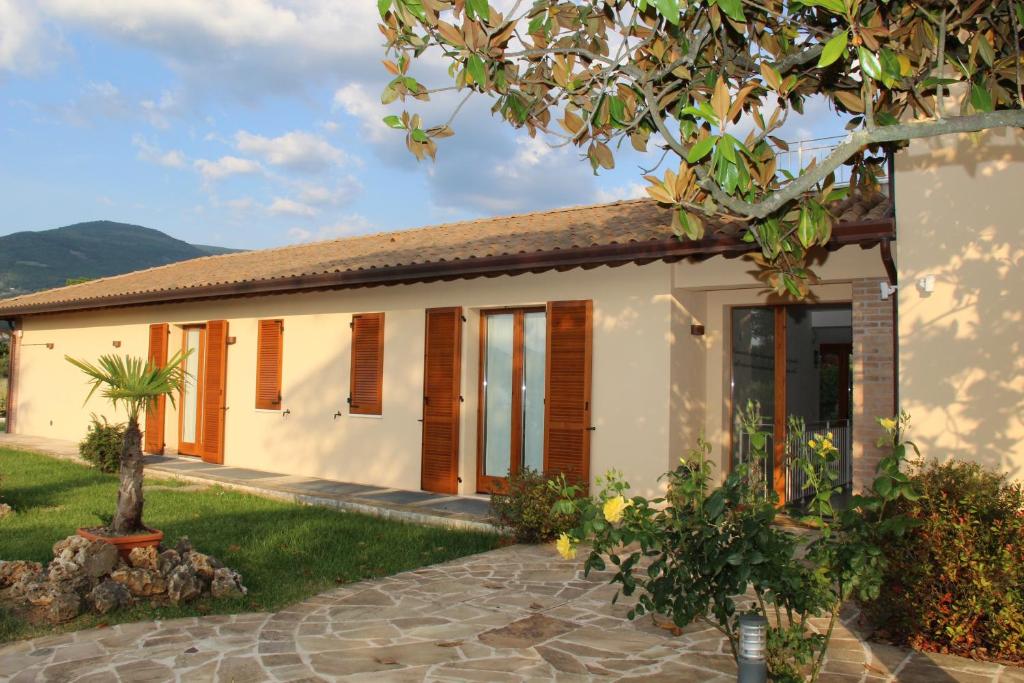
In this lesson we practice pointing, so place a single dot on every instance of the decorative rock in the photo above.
(64, 607)
(5, 510)
(183, 585)
(144, 558)
(18, 571)
(184, 545)
(67, 548)
(109, 595)
(140, 582)
(98, 559)
(168, 560)
(227, 582)
(203, 565)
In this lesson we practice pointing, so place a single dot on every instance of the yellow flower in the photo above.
(829, 436)
(812, 443)
(565, 547)
(887, 423)
(614, 507)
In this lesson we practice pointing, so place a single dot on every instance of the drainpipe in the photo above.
(893, 277)
(14, 331)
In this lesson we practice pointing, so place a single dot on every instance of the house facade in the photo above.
(572, 341)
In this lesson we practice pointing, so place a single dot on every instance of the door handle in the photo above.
(590, 429)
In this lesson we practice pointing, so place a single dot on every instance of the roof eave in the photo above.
(865, 233)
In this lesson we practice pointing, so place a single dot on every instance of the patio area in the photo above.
(515, 614)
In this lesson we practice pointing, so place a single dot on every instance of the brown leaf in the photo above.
(720, 101)
(741, 97)
(849, 100)
(450, 33)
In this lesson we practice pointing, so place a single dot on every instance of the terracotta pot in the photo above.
(124, 544)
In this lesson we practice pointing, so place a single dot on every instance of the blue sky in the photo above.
(249, 123)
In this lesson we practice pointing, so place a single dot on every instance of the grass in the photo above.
(285, 552)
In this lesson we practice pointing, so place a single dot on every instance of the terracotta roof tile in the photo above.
(618, 223)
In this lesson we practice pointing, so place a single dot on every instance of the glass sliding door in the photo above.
(513, 351)
(190, 403)
(753, 378)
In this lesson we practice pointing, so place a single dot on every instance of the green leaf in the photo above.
(668, 9)
(981, 99)
(476, 69)
(834, 6)
(869, 63)
(383, 6)
(833, 49)
(393, 122)
(805, 228)
(478, 9)
(701, 148)
(419, 135)
(733, 9)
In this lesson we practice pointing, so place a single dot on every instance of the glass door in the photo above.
(513, 351)
(190, 404)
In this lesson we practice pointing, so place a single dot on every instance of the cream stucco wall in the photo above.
(631, 357)
(960, 217)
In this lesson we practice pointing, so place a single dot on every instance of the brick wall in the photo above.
(873, 375)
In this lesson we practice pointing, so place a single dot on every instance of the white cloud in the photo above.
(356, 101)
(343, 191)
(159, 111)
(616, 194)
(26, 44)
(249, 47)
(353, 224)
(226, 166)
(297, 150)
(152, 153)
(284, 206)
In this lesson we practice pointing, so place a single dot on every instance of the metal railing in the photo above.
(802, 152)
(796, 480)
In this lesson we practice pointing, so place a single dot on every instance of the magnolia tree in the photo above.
(709, 83)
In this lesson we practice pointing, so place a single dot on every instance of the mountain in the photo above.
(30, 261)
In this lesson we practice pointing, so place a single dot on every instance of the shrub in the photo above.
(526, 509)
(102, 444)
(956, 583)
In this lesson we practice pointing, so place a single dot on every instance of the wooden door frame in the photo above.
(486, 483)
(780, 387)
(192, 448)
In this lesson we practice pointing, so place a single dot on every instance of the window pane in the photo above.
(534, 353)
(498, 395)
(753, 373)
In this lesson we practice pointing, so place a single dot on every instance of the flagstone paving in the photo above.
(514, 614)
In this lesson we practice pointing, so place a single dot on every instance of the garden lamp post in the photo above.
(753, 641)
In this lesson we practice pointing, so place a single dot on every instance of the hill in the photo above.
(30, 261)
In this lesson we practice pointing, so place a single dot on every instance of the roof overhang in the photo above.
(867, 234)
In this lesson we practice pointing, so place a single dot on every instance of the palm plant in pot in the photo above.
(135, 384)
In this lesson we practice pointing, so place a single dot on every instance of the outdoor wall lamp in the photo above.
(887, 290)
(117, 344)
(753, 642)
(926, 284)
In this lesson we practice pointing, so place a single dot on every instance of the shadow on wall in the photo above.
(962, 374)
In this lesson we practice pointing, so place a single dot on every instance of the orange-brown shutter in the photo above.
(366, 384)
(567, 404)
(442, 377)
(269, 346)
(13, 374)
(214, 391)
(154, 442)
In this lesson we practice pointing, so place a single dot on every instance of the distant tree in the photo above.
(688, 76)
(5, 354)
(76, 280)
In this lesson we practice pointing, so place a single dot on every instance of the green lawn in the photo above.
(285, 552)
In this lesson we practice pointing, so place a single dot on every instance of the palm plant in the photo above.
(136, 384)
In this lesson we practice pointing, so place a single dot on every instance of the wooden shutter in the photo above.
(154, 442)
(366, 383)
(214, 392)
(567, 403)
(442, 378)
(13, 375)
(269, 347)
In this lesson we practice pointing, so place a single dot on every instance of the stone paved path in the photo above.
(514, 614)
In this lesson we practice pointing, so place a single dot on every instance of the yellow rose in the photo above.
(565, 547)
(614, 507)
(829, 436)
(887, 423)
(812, 443)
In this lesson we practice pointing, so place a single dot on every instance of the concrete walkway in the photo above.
(421, 507)
(515, 614)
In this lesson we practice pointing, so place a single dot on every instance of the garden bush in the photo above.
(526, 508)
(956, 583)
(102, 444)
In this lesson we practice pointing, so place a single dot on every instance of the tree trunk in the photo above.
(128, 519)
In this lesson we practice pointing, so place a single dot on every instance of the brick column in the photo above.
(873, 375)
